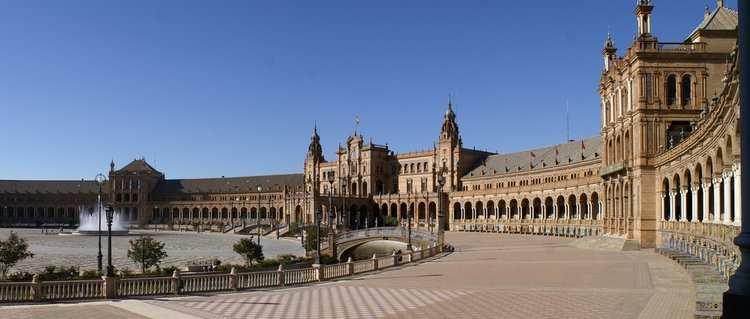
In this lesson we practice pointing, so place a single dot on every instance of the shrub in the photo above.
(12, 250)
(390, 221)
(249, 250)
(311, 236)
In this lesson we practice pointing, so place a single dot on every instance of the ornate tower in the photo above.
(609, 52)
(643, 14)
(449, 149)
(312, 162)
(312, 172)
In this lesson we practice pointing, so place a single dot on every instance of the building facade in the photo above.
(665, 165)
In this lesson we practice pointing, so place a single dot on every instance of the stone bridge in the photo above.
(349, 240)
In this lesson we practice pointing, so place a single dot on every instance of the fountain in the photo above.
(90, 222)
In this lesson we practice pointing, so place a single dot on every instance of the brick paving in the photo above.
(489, 276)
(93, 311)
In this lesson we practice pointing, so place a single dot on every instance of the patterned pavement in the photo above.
(489, 276)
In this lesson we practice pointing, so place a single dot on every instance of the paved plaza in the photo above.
(488, 276)
(182, 247)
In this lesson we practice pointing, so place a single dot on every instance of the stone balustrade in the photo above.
(711, 242)
(177, 284)
(549, 227)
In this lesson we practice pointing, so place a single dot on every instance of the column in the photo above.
(683, 204)
(554, 211)
(706, 188)
(507, 212)
(737, 196)
(589, 208)
(544, 212)
(601, 210)
(663, 207)
(694, 202)
(672, 205)
(728, 197)
(717, 199)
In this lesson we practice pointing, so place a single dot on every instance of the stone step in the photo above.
(709, 284)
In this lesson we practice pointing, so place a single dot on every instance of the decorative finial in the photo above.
(719, 3)
(356, 124)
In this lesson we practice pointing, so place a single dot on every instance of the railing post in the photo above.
(318, 272)
(176, 285)
(349, 267)
(36, 288)
(282, 280)
(233, 282)
(374, 262)
(110, 287)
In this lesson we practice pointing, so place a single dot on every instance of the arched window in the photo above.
(671, 89)
(685, 87)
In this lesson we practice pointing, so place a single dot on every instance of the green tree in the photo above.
(390, 221)
(249, 250)
(146, 251)
(12, 251)
(311, 237)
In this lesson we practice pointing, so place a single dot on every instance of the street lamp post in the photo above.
(100, 179)
(257, 215)
(110, 214)
(331, 215)
(317, 235)
(409, 211)
(441, 213)
(273, 221)
(736, 303)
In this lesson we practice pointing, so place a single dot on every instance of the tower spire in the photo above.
(643, 13)
(609, 51)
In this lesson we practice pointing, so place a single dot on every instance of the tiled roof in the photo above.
(540, 158)
(48, 187)
(138, 165)
(228, 185)
(722, 18)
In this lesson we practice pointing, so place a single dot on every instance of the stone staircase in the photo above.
(709, 284)
(606, 243)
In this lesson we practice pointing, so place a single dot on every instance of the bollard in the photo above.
(233, 282)
(395, 258)
(374, 262)
(176, 286)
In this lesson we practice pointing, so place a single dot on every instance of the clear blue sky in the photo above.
(205, 89)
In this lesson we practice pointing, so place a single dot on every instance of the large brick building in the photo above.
(668, 152)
